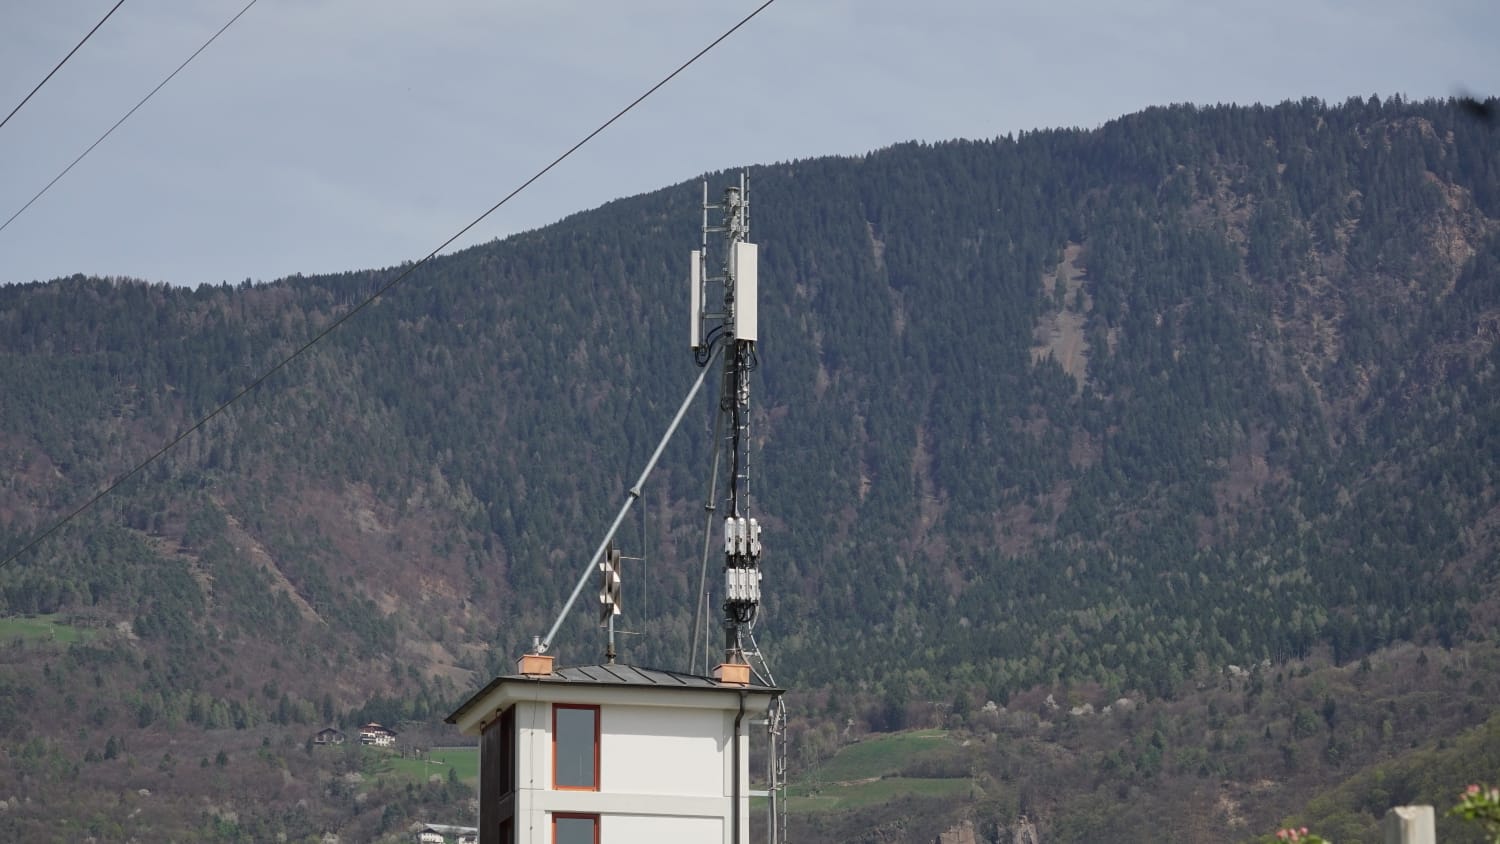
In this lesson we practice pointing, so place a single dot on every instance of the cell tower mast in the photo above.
(724, 281)
(729, 276)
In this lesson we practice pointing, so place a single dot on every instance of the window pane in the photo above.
(575, 748)
(574, 830)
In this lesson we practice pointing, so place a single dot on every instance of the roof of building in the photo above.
(615, 674)
(628, 675)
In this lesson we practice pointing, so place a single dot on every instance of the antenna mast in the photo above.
(730, 274)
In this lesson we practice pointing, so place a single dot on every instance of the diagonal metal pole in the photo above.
(701, 604)
(631, 496)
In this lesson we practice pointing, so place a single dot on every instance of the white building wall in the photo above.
(665, 775)
(644, 750)
(533, 746)
(628, 825)
(647, 829)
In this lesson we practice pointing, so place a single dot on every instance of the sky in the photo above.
(330, 135)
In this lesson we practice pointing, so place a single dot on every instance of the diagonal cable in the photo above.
(400, 277)
(110, 130)
(60, 64)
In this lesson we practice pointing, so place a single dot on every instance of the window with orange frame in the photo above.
(575, 747)
(570, 828)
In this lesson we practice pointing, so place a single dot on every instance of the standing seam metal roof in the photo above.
(630, 675)
(615, 675)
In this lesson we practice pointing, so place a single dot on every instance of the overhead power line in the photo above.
(60, 64)
(133, 109)
(382, 290)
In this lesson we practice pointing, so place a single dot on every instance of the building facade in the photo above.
(329, 735)
(375, 734)
(613, 754)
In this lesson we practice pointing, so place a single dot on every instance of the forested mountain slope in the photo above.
(1201, 386)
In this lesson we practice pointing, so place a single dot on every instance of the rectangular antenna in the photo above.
(695, 298)
(746, 282)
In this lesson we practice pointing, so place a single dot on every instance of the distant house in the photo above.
(329, 735)
(373, 733)
(438, 833)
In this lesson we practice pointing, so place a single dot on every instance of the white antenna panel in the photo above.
(742, 585)
(695, 298)
(746, 284)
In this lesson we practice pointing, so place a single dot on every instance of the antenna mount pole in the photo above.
(635, 492)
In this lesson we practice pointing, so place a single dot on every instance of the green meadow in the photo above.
(34, 628)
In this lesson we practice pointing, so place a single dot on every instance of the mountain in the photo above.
(1097, 413)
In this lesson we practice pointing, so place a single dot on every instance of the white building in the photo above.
(373, 733)
(613, 754)
(438, 833)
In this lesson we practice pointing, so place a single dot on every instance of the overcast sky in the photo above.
(329, 135)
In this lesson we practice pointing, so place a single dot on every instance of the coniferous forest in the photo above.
(1192, 415)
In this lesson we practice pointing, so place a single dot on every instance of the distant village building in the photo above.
(329, 735)
(438, 833)
(373, 733)
(613, 753)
